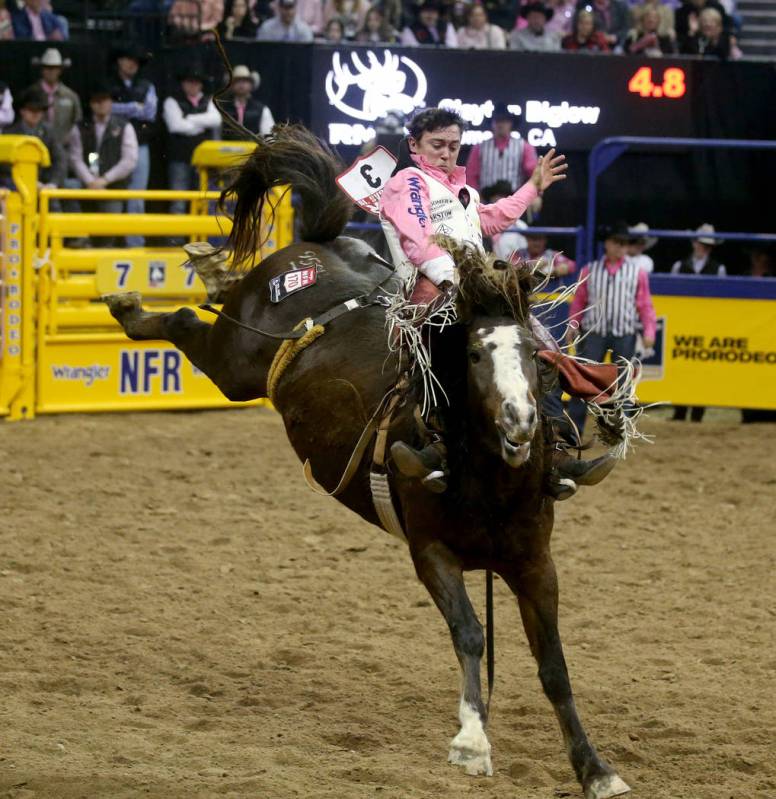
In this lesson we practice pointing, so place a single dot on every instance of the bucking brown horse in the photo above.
(494, 514)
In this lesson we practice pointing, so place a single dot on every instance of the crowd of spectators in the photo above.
(704, 28)
(652, 27)
(108, 147)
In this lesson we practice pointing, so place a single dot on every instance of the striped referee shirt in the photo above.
(613, 298)
(497, 164)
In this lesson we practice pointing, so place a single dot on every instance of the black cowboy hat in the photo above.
(99, 90)
(540, 7)
(192, 71)
(501, 111)
(501, 188)
(131, 50)
(619, 230)
(33, 98)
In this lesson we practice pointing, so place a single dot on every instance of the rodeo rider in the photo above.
(410, 215)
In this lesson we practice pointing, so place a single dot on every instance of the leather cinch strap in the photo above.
(375, 297)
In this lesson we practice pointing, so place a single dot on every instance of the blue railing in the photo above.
(607, 151)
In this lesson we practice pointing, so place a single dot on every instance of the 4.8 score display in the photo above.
(673, 85)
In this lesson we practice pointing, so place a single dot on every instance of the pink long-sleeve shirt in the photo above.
(528, 164)
(644, 306)
(413, 229)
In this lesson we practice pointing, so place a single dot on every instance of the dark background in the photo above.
(732, 190)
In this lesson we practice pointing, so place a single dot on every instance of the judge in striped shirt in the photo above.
(611, 300)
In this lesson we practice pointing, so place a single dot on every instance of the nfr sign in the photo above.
(150, 371)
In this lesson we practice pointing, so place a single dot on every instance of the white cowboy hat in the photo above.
(637, 232)
(241, 72)
(707, 228)
(51, 58)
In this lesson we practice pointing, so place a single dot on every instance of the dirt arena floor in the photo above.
(181, 617)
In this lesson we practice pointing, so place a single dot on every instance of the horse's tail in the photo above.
(291, 155)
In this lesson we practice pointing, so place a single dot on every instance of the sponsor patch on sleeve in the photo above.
(290, 282)
(365, 179)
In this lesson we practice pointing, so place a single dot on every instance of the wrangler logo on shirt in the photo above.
(417, 201)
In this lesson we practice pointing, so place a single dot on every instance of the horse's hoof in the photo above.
(475, 763)
(605, 787)
(210, 265)
(123, 303)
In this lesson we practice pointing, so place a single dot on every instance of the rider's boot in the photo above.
(568, 473)
(429, 464)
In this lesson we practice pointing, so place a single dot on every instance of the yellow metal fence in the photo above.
(60, 349)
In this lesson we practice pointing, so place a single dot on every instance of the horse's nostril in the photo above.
(510, 412)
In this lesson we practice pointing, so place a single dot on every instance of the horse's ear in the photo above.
(528, 279)
(463, 308)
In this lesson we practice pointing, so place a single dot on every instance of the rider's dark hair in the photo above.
(433, 119)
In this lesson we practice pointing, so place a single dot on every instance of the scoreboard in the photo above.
(569, 100)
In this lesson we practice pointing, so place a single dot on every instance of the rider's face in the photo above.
(439, 147)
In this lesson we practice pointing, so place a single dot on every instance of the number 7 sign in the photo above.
(123, 268)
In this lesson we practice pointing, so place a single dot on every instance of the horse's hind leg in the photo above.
(536, 587)
(441, 573)
(208, 347)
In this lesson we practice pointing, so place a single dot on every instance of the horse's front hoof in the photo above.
(475, 763)
(605, 787)
(472, 751)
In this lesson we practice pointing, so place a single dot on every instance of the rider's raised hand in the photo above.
(550, 169)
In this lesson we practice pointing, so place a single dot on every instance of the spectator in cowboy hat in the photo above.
(31, 108)
(191, 118)
(535, 38)
(554, 263)
(701, 261)
(34, 22)
(103, 151)
(429, 28)
(285, 26)
(638, 244)
(64, 104)
(243, 107)
(135, 98)
(503, 157)
(612, 296)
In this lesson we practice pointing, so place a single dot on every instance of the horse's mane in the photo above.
(490, 286)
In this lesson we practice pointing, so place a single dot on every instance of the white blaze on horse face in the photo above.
(508, 376)
(471, 748)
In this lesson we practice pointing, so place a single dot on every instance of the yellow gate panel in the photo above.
(60, 349)
(713, 351)
(160, 274)
(18, 227)
(112, 373)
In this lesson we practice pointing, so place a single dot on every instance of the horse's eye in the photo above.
(474, 356)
